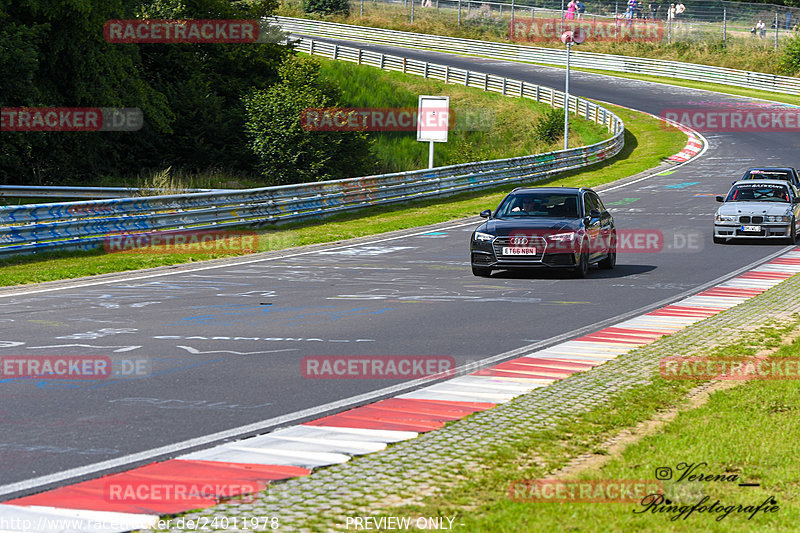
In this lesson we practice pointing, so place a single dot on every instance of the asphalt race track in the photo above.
(222, 347)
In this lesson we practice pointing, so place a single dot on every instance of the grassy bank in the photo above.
(647, 143)
(746, 433)
(487, 125)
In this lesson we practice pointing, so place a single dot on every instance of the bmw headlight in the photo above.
(777, 218)
(726, 218)
(483, 237)
(562, 237)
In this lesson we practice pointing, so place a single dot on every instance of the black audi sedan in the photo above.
(556, 227)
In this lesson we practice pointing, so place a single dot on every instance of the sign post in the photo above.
(433, 120)
(577, 36)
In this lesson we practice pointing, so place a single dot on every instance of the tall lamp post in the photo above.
(576, 36)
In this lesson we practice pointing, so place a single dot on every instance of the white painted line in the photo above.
(351, 447)
(243, 454)
(125, 279)
(333, 432)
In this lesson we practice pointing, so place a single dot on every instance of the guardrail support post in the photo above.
(447, 74)
(335, 51)
(425, 75)
(359, 55)
(505, 81)
(521, 88)
(311, 48)
(404, 65)
(486, 82)
(466, 79)
(538, 95)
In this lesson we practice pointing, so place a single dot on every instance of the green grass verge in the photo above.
(647, 143)
(750, 431)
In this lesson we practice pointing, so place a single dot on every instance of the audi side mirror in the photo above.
(487, 213)
(719, 198)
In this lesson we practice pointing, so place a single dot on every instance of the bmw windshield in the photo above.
(539, 204)
(759, 192)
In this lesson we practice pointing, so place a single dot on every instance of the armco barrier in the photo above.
(51, 191)
(85, 224)
(547, 56)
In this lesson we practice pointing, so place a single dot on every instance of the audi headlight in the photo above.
(726, 218)
(777, 218)
(562, 237)
(483, 237)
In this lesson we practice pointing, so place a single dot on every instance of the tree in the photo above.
(326, 7)
(286, 152)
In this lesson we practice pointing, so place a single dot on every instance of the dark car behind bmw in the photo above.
(557, 227)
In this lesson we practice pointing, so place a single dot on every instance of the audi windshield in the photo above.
(551, 205)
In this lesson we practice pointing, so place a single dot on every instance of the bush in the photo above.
(326, 7)
(286, 152)
(550, 126)
(789, 61)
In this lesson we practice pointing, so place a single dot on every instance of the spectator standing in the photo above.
(581, 8)
(679, 9)
(571, 9)
(761, 28)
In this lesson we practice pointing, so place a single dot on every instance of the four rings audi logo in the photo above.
(518, 241)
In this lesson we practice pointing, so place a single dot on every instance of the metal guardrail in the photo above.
(86, 224)
(51, 191)
(547, 56)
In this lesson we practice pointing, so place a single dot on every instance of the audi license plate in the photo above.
(518, 250)
(754, 229)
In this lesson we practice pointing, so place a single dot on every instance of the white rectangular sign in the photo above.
(433, 118)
